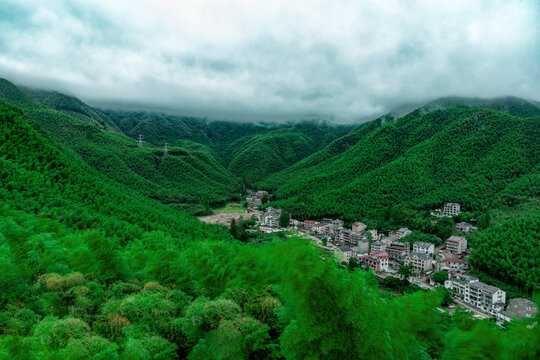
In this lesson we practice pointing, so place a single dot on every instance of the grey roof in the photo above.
(522, 308)
(485, 287)
(423, 244)
(344, 248)
(397, 243)
(421, 256)
(455, 238)
(467, 277)
(379, 243)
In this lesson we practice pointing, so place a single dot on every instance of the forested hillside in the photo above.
(189, 178)
(251, 151)
(477, 157)
(510, 252)
(91, 269)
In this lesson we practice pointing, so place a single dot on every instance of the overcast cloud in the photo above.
(345, 60)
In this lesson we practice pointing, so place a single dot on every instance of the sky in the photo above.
(272, 60)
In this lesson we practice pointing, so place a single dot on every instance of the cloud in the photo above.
(272, 59)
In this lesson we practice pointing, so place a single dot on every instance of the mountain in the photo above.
(189, 178)
(70, 105)
(91, 268)
(250, 151)
(478, 157)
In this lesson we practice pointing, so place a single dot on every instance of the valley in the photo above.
(263, 240)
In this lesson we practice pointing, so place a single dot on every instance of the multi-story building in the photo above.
(377, 262)
(423, 247)
(421, 262)
(460, 282)
(450, 209)
(374, 235)
(397, 250)
(344, 252)
(308, 224)
(338, 223)
(318, 229)
(456, 244)
(456, 265)
(358, 226)
(488, 298)
(378, 246)
(398, 234)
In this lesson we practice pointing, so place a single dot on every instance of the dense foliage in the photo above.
(510, 252)
(479, 158)
(249, 150)
(91, 268)
(189, 178)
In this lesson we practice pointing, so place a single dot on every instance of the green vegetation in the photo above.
(250, 151)
(93, 269)
(510, 252)
(189, 178)
(440, 276)
(479, 158)
(284, 219)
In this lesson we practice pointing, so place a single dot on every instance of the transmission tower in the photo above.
(140, 141)
(166, 151)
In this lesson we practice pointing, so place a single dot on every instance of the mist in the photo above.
(272, 60)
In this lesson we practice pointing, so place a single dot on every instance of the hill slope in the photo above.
(480, 158)
(251, 151)
(92, 269)
(189, 178)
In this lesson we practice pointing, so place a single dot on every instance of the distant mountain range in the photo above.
(480, 152)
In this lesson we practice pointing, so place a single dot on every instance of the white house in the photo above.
(450, 209)
(423, 247)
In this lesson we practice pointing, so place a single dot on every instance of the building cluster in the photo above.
(384, 253)
(255, 200)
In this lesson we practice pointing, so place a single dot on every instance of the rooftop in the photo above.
(522, 308)
(421, 256)
(456, 238)
(485, 287)
(344, 248)
(423, 244)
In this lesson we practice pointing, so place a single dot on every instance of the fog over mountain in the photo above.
(272, 60)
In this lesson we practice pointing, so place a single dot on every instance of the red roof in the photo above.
(310, 222)
(454, 260)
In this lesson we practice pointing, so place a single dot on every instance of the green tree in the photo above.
(440, 276)
(234, 229)
(484, 220)
(405, 271)
(284, 219)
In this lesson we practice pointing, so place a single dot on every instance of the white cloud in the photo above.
(273, 59)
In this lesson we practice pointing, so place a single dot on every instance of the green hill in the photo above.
(190, 179)
(92, 269)
(72, 106)
(251, 151)
(479, 158)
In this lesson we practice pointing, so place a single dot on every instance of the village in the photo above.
(384, 254)
(387, 254)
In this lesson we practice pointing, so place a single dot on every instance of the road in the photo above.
(474, 310)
